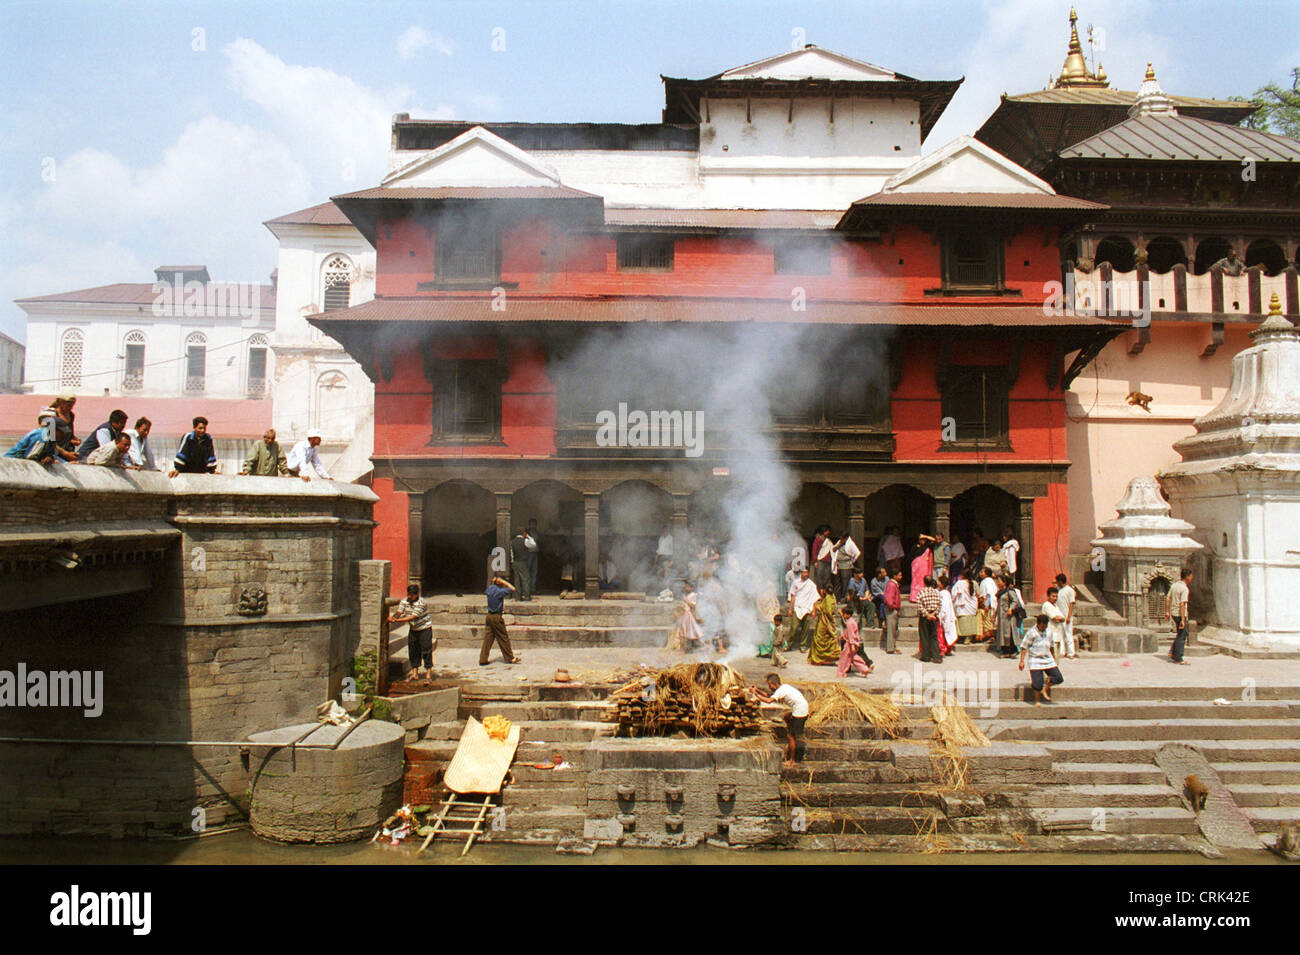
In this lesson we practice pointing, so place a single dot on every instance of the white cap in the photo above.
(315, 433)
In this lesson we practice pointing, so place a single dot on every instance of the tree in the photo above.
(1277, 108)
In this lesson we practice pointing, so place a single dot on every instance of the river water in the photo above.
(241, 847)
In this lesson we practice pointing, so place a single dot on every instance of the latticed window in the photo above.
(133, 371)
(645, 252)
(257, 366)
(73, 348)
(337, 281)
(196, 363)
(1157, 594)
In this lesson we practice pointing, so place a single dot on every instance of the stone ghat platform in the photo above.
(1079, 775)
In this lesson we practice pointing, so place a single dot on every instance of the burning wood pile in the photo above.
(702, 699)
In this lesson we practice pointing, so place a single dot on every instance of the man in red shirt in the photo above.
(893, 601)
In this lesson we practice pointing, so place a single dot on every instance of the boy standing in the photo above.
(1065, 598)
(1043, 671)
(419, 639)
(785, 694)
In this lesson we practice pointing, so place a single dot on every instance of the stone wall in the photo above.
(199, 655)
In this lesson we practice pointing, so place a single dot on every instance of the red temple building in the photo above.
(893, 308)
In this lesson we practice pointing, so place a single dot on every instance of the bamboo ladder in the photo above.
(462, 814)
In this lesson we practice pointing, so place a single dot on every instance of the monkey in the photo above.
(1197, 792)
(1139, 399)
(1288, 843)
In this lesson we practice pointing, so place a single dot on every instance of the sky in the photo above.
(147, 133)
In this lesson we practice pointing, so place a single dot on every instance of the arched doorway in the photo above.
(901, 506)
(1118, 251)
(1267, 253)
(633, 515)
(986, 510)
(1164, 252)
(1209, 250)
(459, 534)
(818, 504)
(558, 511)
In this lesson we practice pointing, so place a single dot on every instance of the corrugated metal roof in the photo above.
(469, 192)
(140, 293)
(700, 311)
(1184, 139)
(1109, 97)
(326, 213)
(726, 218)
(979, 200)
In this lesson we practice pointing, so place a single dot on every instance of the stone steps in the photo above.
(868, 820)
(1144, 751)
(1110, 774)
(1263, 795)
(1261, 773)
(1135, 710)
(1169, 729)
(1272, 818)
(958, 842)
(461, 636)
(535, 711)
(1087, 795)
(1167, 820)
(847, 795)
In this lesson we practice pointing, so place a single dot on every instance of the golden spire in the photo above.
(1075, 72)
(1151, 73)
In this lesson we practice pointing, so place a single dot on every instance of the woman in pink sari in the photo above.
(922, 567)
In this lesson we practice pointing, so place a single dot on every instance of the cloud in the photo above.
(415, 38)
(105, 218)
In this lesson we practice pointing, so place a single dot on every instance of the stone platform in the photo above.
(1078, 775)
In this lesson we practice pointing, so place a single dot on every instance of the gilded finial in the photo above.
(1274, 305)
(1151, 73)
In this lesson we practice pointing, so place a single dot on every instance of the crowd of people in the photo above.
(964, 591)
(112, 444)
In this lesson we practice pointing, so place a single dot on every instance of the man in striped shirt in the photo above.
(929, 603)
(419, 640)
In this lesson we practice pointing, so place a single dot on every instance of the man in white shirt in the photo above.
(304, 457)
(801, 599)
(844, 555)
(1065, 599)
(988, 597)
(1055, 620)
(664, 553)
(1011, 551)
(141, 454)
(1176, 610)
(784, 693)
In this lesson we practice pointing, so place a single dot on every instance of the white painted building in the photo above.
(12, 358)
(169, 350)
(182, 335)
(324, 264)
(806, 129)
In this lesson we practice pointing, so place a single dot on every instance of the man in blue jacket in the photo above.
(196, 454)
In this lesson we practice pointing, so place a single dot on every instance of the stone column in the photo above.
(415, 530)
(681, 507)
(591, 534)
(1026, 530)
(503, 519)
(943, 517)
(858, 528)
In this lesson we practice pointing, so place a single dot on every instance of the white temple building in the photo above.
(1239, 484)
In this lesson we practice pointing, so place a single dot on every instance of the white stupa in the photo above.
(1239, 485)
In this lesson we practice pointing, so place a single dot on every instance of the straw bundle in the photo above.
(954, 726)
(836, 703)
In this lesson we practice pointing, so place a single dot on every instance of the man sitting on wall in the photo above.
(304, 458)
(103, 436)
(266, 458)
(196, 454)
